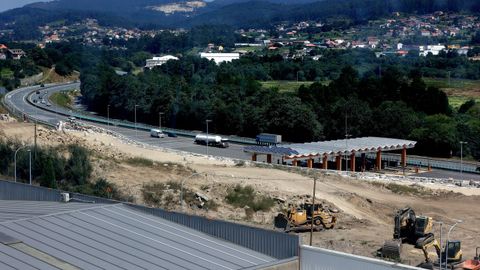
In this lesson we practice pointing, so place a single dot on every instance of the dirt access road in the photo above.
(366, 208)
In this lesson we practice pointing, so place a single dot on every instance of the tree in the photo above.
(48, 176)
(394, 119)
(78, 167)
(63, 69)
(466, 106)
(437, 135)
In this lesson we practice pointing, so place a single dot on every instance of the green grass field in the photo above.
(285, 86)
(457, 101)
(455, 84)
(458, 90)
(61, 99)
(6, 73)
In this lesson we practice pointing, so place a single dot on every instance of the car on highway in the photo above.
(171, 134)
(157, 133)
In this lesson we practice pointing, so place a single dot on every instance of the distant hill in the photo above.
(244, 13)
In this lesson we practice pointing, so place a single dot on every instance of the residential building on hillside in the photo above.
(16, 54)
(433, 49)
(158, 61)
(220, 57)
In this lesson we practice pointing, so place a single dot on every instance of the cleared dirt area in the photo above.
(365, 218)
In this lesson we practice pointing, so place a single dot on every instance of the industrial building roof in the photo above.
(110, 236)
(336, 147)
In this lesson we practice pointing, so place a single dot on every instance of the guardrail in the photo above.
(130, 125)
(19, 113)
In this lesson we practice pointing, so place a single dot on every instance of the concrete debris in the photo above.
(6, 118)
(202, 197)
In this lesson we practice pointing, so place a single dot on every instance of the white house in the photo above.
(220, 57)
(158, 61)
(433, 49)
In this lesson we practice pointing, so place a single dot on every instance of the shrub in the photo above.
(139, 161)
(78, 168)
(245, 196)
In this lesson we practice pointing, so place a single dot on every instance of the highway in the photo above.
(48, 113)
(51, 114)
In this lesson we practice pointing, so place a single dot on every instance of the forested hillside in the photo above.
(254, 13)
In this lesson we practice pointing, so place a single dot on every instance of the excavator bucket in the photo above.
(392, 249)
(281, 222)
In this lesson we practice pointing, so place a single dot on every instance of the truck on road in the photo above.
(268, 139)
(157, 133)
(211, 140)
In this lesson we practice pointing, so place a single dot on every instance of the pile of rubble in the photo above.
(7, 118)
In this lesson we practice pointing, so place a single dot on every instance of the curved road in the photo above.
(51, 114)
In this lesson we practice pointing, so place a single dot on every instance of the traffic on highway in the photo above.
(34, 103)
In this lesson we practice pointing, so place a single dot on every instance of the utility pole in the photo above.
(30, 165)
(136, 132)
(35, 141)
(160, 120)
(208, 140)
(461, 156)
(346, 140)
(313, 209)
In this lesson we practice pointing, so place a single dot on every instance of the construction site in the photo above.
(380, 216)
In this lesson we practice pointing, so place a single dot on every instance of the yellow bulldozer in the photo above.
(300, 218)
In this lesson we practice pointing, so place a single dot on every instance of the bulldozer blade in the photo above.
(281, 222)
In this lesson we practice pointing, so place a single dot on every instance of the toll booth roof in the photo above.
(333, 148)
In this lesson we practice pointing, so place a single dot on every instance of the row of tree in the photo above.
(393, 104)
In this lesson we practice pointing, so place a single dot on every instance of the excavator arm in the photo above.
(404, 223)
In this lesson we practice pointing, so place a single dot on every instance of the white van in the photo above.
(157, 133)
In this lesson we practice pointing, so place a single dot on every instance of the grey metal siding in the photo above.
(275, 244)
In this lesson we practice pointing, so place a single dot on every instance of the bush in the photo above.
(139, 161)
(78, 169)
(152, 193)
(245, 196)
(100, 188)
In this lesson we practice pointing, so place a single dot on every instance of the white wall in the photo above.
(312, 258)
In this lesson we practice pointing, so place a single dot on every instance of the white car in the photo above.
(157, 133)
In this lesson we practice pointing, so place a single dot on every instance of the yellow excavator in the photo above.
(408, 228)
(454, 253)
(300, 218)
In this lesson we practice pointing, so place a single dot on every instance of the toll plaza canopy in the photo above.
(335, 148)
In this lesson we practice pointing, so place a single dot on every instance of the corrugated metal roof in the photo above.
(11, 258)
(15, 210)
(336, 147)
(119, 237)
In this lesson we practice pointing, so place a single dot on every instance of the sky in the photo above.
(9, 4)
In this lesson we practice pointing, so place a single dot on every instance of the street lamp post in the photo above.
(136, 132)
(461, 156)
(448, 240)
(208, 141)
(15, 162)
(30, 166)
(441, 242)
(313, 209)
(160, 120)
